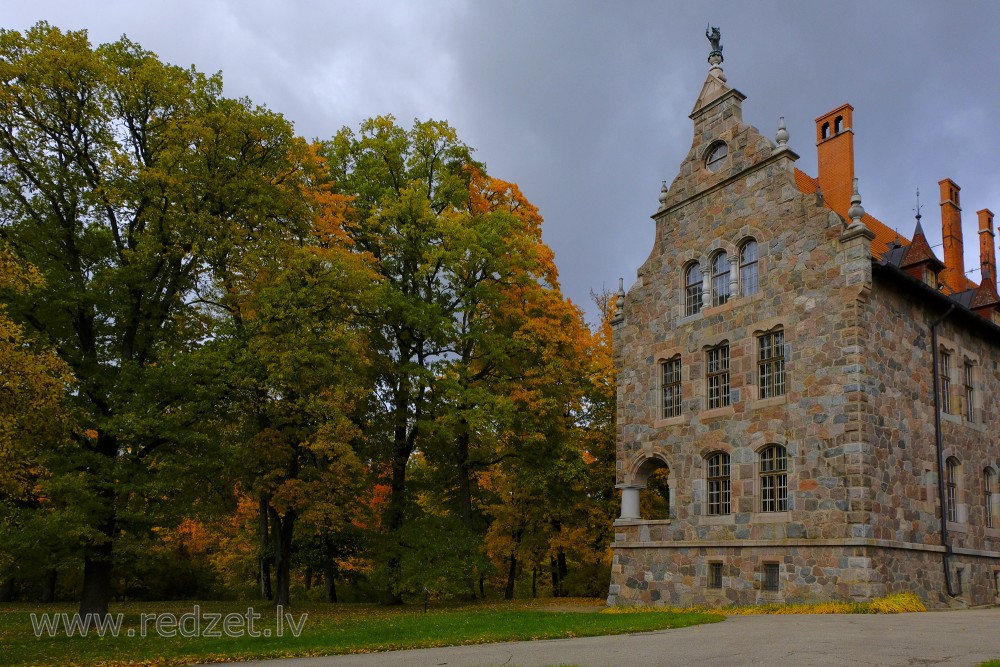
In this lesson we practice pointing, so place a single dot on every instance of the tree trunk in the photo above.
(96, 580)
(402, 447)
(309, 578)
(508, 592)
(264, 559)
(49, 585)
(329, 574)
(561, 564)
(465, 491)
(556, 587)
(7, 590)
(282, 531)
(534, 582)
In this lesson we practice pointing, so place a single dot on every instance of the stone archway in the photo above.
(637, 478)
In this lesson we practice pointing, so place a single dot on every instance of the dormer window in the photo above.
(716, 156)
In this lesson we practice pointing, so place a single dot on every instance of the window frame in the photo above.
(968, 373)
(989, 484)
(749, 267)
(944, 373)
(771, 368)
(671, 384)
(952, 473)
(718, 478)
(771, 577)
(714, 575)
(773, 473)
(717, 381)
(721, 274)
(694, 290)
(714, 162)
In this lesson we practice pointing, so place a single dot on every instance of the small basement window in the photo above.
(771, 580)
(715, 575)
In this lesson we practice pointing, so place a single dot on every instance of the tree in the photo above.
(34, 385)
(131, 184)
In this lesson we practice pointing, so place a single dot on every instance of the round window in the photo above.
(716, 156)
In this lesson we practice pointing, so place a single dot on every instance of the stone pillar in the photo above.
(734, 274)
(630, 500)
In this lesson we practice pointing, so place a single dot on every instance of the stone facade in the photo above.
(814, 355)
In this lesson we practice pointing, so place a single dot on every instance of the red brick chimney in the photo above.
(951, 231)
(835, 153)
(987, 246)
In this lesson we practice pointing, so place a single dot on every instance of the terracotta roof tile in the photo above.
(884, 236)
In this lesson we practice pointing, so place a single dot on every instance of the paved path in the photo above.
(960, 638)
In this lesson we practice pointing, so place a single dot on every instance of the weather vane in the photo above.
(714, 36)
(917, 209)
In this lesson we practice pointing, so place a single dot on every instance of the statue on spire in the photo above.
(714, 36)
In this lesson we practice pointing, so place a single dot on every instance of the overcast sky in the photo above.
(585, 104)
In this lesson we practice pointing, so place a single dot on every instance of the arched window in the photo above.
(953, 474)
(720, 279)
(693, 289)
(716, 156)
(718, 483)
(748, 268)
(773, 479)
(825, 131)
(989, 487)
(838, 124)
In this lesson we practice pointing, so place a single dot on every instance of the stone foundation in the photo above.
(678, 575)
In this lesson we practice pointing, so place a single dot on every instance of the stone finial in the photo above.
(857, 211)
(781, 136)
(619, 314)
(663, 194)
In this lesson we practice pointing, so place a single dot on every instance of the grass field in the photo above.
(327, 630)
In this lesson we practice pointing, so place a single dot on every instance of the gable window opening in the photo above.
(718, 377)
(715, 575)
(774, 479)
(670, 383)
(693, 289)
(970, 393)
(748, 268)
(944, 361)
(716, 156)
(720, 279)
(951, 489)
(719, 487)
(771, 364)
(771, 577)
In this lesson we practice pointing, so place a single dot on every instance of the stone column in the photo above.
(734, 275)
(630, 500)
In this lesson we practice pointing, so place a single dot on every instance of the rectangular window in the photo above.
(719, 489)
(771, 364)
(970, 394)
(670, 383)
(771, 579)
(774, 479)
(715, 575)
(988, 496)
(951, 489)
(718, 377)
(944, 363)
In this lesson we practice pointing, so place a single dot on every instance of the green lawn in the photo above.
(328, 629)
